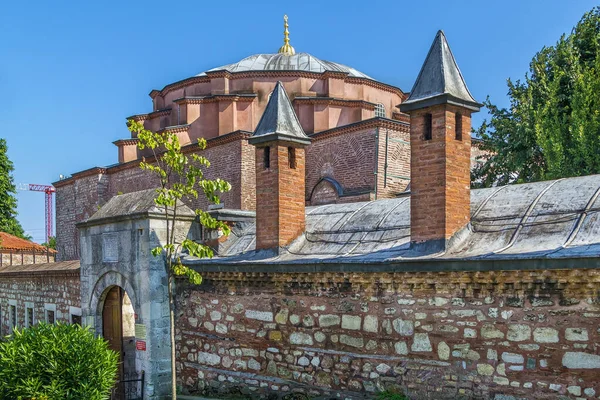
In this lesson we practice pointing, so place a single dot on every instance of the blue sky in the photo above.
(71, 72)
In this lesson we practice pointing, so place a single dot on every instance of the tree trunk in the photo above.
(172, 318)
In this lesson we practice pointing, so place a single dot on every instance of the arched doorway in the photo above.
(118, 328)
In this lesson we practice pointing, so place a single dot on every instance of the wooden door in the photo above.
(112, 328)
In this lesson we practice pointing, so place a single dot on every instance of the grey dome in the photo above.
(283, 62)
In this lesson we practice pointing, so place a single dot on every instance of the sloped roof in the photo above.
(283, 62)
(62, 266)
(551, 219)
(440, 80)
(279, 120)
(9, 242)
(133, 204)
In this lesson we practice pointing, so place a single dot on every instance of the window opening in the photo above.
(380, 110)
(13, 317)
(29, 317)
(267, 157)
(458, 126)
(292, 157)
(427, 126)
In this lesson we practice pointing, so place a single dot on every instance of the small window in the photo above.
(427, 127)
(13, 317)
(75, 313)
(458, 126)
(50, 316)
(292, 157)
(380, 110)
(29, 321)
(267, 157)
(50, 310)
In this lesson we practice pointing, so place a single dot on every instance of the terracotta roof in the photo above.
(10, 242)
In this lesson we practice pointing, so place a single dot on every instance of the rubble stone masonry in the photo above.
(54, 290)
(485, 335)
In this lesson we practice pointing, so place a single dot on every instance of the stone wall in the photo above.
(25, 258)
(54, 290)
(485, 335)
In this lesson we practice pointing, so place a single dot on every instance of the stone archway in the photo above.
(118, 328)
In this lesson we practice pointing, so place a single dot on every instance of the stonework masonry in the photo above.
(486, 335)
(50, 291)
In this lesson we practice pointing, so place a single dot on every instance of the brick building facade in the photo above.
(342, 284)
(360, 147)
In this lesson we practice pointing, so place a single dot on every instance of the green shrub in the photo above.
(391, 395)
(56, 362)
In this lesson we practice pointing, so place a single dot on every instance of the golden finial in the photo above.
(286, 49)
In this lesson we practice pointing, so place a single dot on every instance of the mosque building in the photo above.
(359, 147)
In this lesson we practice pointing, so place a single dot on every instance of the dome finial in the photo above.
(286, 49)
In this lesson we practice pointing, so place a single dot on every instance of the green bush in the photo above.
(391, 395)
(56, 362)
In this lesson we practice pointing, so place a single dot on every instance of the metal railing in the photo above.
(131, 387)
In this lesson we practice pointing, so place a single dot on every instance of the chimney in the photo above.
(440, 107)
(280, 142)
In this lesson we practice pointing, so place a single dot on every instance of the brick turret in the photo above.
(280, 180)
(440, 107)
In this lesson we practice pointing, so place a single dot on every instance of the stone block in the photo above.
(351, 322)
(265, 316)
(328, 320)
(545, 335)
(579, 360)
(370, 323)
(513, 358)
(518, 332)
(352, 341)
(403, 327)
(443, 351)
(301, 338)
(485, 369)
(421, 343)
(576, 334)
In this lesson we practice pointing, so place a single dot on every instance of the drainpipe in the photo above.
(376, 159)
(385, 166)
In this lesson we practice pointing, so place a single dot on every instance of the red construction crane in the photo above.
(49, 190)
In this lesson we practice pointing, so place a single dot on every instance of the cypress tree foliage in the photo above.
(552, 127)
(8, 199)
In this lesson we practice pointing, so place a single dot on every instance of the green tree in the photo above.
(56, 362)
(8, 199)
(51, 243)
(552, 127)
(181, 178)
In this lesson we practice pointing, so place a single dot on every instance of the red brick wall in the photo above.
(75, 202)
(280, 212)
(393, 172)
(348, 158)
(57, 288)
(440, 196)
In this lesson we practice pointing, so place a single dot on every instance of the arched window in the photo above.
(380, 110)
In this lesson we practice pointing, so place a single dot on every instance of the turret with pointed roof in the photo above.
(440, 107)
(440, 80)
(280, 179)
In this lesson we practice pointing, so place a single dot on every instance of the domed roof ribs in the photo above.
(440, 80)
(279, 121)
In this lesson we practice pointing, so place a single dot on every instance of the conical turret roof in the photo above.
(440, 80)
(279, 121)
